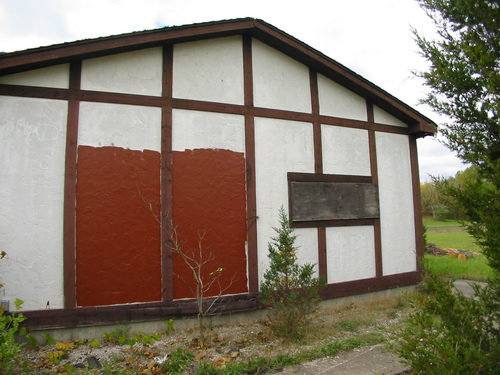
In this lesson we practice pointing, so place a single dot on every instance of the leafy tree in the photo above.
(448, 333)
(430, 198)
(290, 289)
(464, 82)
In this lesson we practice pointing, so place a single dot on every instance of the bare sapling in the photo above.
(205, 279)
(206, 285)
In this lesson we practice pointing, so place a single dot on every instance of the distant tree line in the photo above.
(436, 199)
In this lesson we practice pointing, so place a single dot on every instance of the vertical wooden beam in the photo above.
(167, 270)
(374, 173)
(253, 272)
(69, 226)
(318, 148)
(417, 208)
(318, 167)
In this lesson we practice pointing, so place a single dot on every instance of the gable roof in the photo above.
(34, 58)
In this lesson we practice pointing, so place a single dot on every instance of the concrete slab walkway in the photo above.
(372, 360)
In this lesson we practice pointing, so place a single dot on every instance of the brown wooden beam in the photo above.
(417, 207)
(167, 269)
(321, 177)
(195, 105)
(350, 288)
(99, 315)
(252, 257)
(377, 235)
(34, 92)
(69, 226)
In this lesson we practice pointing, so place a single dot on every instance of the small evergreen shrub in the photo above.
(290, 289)
(448, 333)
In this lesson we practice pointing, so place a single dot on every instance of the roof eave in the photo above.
(64, 52)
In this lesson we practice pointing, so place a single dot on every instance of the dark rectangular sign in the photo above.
(319, 200)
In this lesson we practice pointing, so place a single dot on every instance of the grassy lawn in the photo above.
(471, 269)
(453, 239)
(430, 222)
(450, 234)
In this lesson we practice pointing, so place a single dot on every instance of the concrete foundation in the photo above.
(180, 323)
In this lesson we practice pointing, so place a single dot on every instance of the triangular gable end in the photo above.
(62, 53)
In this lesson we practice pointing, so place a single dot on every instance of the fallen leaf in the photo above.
(200, 356)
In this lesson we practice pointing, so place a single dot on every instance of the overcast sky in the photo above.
(371, 37)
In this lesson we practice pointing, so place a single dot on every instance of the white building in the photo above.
(108, 144)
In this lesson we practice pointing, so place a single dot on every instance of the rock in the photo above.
(93, 362)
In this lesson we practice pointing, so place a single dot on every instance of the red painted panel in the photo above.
(118, 240)
(209, 197)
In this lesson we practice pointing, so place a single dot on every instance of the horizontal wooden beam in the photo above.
(350, 288)
(101, 315)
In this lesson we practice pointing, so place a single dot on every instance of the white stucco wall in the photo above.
(32, 155)
(382, 117)
(335, 100)
(279, 81)
(196, 129)
(209, 70)
(137, 72)
(396, 203)
(280, 147)
(128, 126)
(345, 150)
(53, 76)
(350, 253)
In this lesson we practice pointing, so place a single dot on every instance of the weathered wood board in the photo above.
(314, 201)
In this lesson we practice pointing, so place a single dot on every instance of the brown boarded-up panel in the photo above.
(319, 200)
(118, 256)
(209, 200)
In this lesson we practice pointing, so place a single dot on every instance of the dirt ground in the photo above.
(372, 322)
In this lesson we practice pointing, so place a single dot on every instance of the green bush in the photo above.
(290, 289)
(448, 333)
(9, 347)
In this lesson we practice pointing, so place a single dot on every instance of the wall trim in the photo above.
(372, 144)
(167, 268)
(252, 254)
(69, 214)
(318, 168)
(323, 177)
(102, 315)
(417, 207)
(195, 105)
(350, 288)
